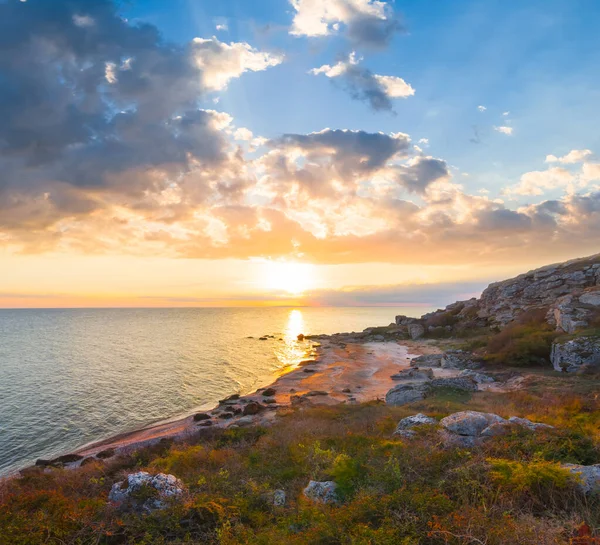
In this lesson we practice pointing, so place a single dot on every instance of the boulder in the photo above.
(479, 378)
(279, 498)
(458, 359)
(570, 356)
(414, 373)
(428, 360)
(106, 453)
(269, 392)
(504, 427)
(322, 492)
(252, 408)
(66, 459)
(201, 416)
(450, 439)
(470, 423)
(524, 422)
(588, 477)
(466, 384)
(405, 393)
(415, 331)
(404, 427)
(142, 491)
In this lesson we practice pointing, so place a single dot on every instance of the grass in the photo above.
(509, 491)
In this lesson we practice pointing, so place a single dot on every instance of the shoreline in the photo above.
(343, 370)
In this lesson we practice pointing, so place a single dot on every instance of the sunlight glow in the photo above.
(288, 276)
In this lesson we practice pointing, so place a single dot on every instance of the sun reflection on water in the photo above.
(292, 351)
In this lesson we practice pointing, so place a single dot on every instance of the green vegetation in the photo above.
(509, 491)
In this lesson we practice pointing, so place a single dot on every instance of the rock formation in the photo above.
(569, 292)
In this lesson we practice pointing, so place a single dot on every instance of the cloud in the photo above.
(481, 108)
(362, 84)
(504, 130)
(221, 62)
(129, 163)
(539, 181)
(370, 23)
(98, 113)
(574, 156)
(401, 295)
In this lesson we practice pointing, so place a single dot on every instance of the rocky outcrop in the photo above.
(144, 492)
(568, 292)
(467, 429)
(573, 355)
(459, 359)
(321, 492)
(502, 302)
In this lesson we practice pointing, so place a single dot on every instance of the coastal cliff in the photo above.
(564, 297)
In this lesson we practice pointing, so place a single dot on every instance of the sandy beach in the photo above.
(335, 372)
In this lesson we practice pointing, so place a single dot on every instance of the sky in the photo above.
(292, 152)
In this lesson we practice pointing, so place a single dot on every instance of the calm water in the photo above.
(68, 377)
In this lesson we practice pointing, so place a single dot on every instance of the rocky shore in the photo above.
(403, 362)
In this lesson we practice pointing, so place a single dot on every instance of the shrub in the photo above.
(525, 342)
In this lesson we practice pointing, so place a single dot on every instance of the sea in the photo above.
(69, 377)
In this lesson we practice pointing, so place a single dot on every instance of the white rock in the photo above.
(279, 498)
(166, 487)
(413, 421)
(321, 491)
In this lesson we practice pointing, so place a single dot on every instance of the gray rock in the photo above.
(406, 424)
(413, 374)
(322, 492)
(466, 384)
(524, 422)
(405, 393)
(166, 487)
(588, 477)
(428, 360)
(415, 331)
(458, 359)
(479, 378)
(504, 427)
(569, 356)
(279, 498)
(405, 434)
(470, 423)
(450, 439)
(591, 298)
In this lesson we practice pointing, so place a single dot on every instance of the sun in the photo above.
(289, 276)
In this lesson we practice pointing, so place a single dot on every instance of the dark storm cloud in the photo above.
(421, 173)
(352, 150)
(372, 31)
